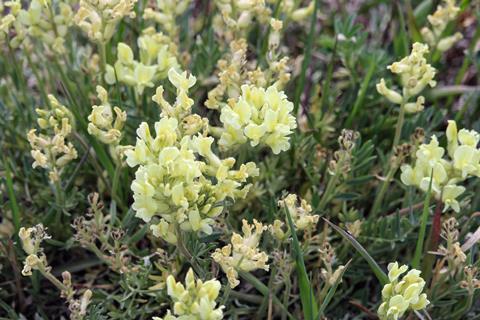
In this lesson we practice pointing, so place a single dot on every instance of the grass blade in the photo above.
(307, 297)
(263, 289)
(306, 60)
(11, 195)
(331, 292)
(423, 227)
(379, 273)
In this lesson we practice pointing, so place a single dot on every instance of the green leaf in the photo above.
(379, 273)
(332, 291)
(263, 289)
(11, 195)
(310, 307)
(423, 227)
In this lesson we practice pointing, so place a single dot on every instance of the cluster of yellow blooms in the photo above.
(445, 174)
(243, 253)
(259, 116)
(31, 239)
(180, 179)
(400, 295)
(302, 217)
(156, 58)
(99, 18)
(102, 123)
(439, 21)
(236, 16)
(415, 74)
(165, 14)
(195, 300)
(50, 150)
(234, 69)
(41, 20)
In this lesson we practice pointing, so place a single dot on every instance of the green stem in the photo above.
(423, 228)
(400, 121)
(103, 60)
(383, 189)
(57, 283)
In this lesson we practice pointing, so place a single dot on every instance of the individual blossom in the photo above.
(301, 216)
(181, 183)
(444, 174)
(46, 23)
(31, 239)
(50, 148)
(259, 116)
(194, 300)
(156, 58)
(402, 293)
(242, 254)
(165, 13)
(99, 19)
(415, 74)
(106, 123)
(439, 20)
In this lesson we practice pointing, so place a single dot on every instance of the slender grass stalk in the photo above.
(263, 289)
(399, 126)
(306, 60)
(377, 203)
(379, 273)
(423, 227)
(11, 196)
(310, 308)
(361, 93)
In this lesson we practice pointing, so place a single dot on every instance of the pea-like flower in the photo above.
(98, 19)
(156, 58)
(302, 216)
(243, 252)
(194, 300)
(181, 184)
(102, 123)
(445, 174)
(415, 74)
(259, 116)
(438, 23)
(50, 148)
(402, 293)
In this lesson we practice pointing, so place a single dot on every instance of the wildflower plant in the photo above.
(439, 21)
(444, 175)
(195, 300)
(402, 293)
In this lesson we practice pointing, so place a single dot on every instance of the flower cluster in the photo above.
(243, 253)
(102, 123)
(31, 239)
(165, 13)
(259, 116)
(156, 58)
(402, 294)
(98, 19)
(51, 151)
(236, 16)
(195, 300)
(180, 179)
(41, 20)
(415, 74)
(233, 71)
(302, 216)
(439, 21)
(443, 174)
